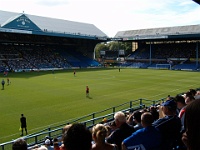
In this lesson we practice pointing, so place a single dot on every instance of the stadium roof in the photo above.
(190, 31)
(30, 24)
(197, 1)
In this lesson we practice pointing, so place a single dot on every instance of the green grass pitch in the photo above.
(48, 99)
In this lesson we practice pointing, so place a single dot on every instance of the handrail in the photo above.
(89, 120)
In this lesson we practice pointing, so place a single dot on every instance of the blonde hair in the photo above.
(100, 132)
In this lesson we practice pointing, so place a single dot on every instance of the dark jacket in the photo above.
(120, 134)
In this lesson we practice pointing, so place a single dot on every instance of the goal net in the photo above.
(163, 66)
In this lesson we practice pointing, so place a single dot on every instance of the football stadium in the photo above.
(50, 74)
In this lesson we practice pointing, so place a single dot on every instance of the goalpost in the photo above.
(164, 66)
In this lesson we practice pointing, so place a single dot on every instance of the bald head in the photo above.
(147, 119)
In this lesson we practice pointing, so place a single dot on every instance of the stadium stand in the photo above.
(31, 42)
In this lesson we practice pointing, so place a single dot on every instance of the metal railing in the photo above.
(89, 120)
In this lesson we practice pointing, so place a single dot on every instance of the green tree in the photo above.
(113, 45)
(99, 47)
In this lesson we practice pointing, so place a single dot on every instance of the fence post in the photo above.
(49, 129)
(113, 111)
(141, 103)
(131, 105)
(36, 139)
(93, 121)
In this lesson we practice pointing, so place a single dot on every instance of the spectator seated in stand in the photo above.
(123, 130)
(147, 138)
(154, 111)
(19, 144)
(47, 144)
(99, 133)
(135, 119)
(65, 129)
(78, 137)
(181, 105)
(191, 138)
(170, 125)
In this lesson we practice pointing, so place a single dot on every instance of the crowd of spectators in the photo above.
(165, 51)
(172, 125)
(22, 59)
(178, 55)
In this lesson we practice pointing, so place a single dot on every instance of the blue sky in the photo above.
(112, 16)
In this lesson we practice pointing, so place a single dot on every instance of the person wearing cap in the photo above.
(170, 125)
(48, 144)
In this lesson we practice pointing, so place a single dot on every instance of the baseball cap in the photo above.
(47, 142)
(170, 103)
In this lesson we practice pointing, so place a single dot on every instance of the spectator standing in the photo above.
(123, 130)
(148, 138)
(23, 124)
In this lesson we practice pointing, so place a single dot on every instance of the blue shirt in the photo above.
(145, 139)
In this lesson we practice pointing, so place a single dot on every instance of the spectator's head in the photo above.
(188, 93)
(189, 98)
(99, 132)
(120, 118)
(147, 119)
(192, 125)
(47, 142)
(180, 101)
(77, 137)
(198, 92)
(169, 107)
(19, 144)
(193, 92)
(197, 96)
(137, 116)
(65, 128)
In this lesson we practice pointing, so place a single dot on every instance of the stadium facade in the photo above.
(166, 48)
